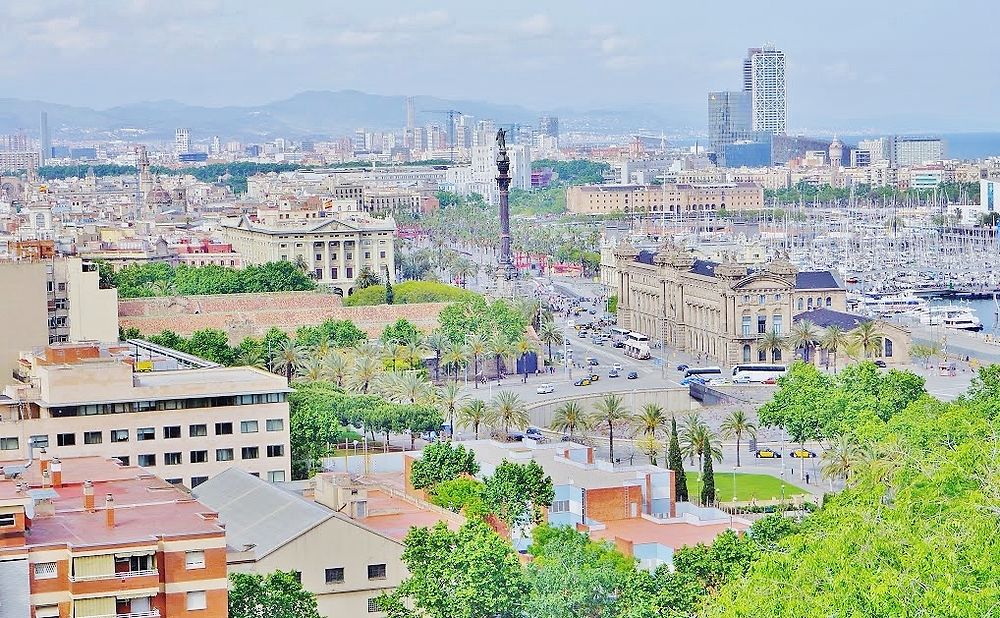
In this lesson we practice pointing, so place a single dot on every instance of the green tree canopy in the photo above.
(516, 493)
(400, 331)
(442, 461)
(278, 594)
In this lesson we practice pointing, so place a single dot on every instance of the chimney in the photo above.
(56, 470)
(88, 496)
(43, 461)
(109, 510)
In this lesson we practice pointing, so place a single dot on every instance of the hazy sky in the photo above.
(851, 64)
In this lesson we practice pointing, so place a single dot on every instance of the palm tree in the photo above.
(834, 340)
(408, 387)
(523, 347)
(867, 336)
(550, 334)
(803, 336)
(651, 420)
(414, 350)
(437, 342)
(450, 398)
(368, 349)
(477, 347)
(735, 425)
(570, 416)
(840, 459)
(288, 358)
(300, 263)
(311, 369)
(252, 356)
(365, 370)
(335, 367)
(509, 410)
(455, 356)
(500, 349)
(610, 411)
(698, 440)
(773, 343)
(474, 414)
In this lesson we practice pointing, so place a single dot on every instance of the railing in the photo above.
(153, 613)
(125, 575)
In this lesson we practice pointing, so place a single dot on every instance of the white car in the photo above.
(718, 382)
(617, 366)
(544, 389)
(741, 380)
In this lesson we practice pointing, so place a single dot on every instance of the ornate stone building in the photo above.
(720, 310)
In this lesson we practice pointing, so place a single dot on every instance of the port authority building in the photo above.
(723, 310)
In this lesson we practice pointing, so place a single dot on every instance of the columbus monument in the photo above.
(506, 274)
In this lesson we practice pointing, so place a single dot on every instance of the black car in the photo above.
(880, 363)
(682, 367)
(618, 344)
(632, 375)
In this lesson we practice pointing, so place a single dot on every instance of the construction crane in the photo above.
(450, 113)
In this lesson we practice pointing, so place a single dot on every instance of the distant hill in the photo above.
(313, 114)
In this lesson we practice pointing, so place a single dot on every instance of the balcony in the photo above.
(153, 613)
(123, 575)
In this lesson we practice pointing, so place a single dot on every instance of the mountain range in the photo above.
(311, 114)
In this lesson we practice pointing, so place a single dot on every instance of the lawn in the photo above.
(748, 486)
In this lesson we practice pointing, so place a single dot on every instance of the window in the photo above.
(762, 299)
(560, 506)
(376, 571)
(93, 437)
(39, 441)
(275, 450)
(197, 480)
(119, 435)
(350, 271)
(6, 519)
(66, 439)
(199, 456)
(776, 323)
(45, 570)
(276, 476)
(776, 354)
(8, 444)
(172, 431)
(46, 611)
(125, 459)
(762, 355)
(335, 575)
(801, 304)
(146, 461)
(196, 599)
(196, 431)
(275, 424)
(373, 605)
(777, 298)
(746, 353)
(172, 459)
(747, 326)
(250, 452)
(145, 433)
(248, 426)
(223, 429)
(194, 560)
(223, 454)
(888, 347)
(829, 301)
(761, 324)
(174, 481)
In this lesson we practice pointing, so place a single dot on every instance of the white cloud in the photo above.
(624, 62)
(67, 34)
(615, 44)
(536, 25)
(357, 38)
(432, 20)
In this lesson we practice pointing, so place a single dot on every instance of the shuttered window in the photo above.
(92, 567)
(102, 606)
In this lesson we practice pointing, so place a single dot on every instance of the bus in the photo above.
(707, 372)
(637, 345)
(618, 334)
(758, 372)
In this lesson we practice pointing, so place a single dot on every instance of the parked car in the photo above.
(692, 380)
(880, 363)
(594, 377)
(544, 389)
(583, 334)
(632, 375)
(802, 453)
(617, 366)
(682, 367)
(515, 436)
(766, 453)
(741, 380)
(582, 382)
(718, 382)
(613, 373)
(534, 433)
(770, 381)
(592, 361)
(618, 344)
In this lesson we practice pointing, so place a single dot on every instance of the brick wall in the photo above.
(241, 315)
(611, 503)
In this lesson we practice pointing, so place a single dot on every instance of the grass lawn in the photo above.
(748, 486)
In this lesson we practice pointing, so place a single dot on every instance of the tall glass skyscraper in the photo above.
(764, 80)
(728, 118)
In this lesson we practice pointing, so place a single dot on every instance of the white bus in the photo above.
(618, 333)
(757, 372)
(708, 372)
(637, 345)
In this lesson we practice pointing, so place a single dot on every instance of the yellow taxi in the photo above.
(766, 453)
(802, 453)
(582, 382)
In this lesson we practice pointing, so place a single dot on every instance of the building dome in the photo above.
(158, 195)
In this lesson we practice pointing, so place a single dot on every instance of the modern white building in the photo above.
(182, 141)
(764, 79)
(916, 150)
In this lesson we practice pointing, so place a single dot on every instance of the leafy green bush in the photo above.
(408, 293)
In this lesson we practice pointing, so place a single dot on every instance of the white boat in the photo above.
(955, 317)
(894, 305)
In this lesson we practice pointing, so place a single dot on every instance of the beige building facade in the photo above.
(664, 199)
(183, 425)
(335, 249)
(718, 310)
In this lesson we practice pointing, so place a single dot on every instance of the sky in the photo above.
(852, 65)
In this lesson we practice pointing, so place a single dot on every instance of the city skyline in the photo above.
(221, 53)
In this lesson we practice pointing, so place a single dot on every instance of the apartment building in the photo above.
(671, 199)
(83, 537)
(184, 425)
(334, 247)
(345, 539)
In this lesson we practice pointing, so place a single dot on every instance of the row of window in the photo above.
(166, 405)
(819, 303)
(335, 575)
(145, 433)
(194, 559)
(776, 324)
(273, 476)
(221, 454)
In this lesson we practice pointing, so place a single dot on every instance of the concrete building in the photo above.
(346, 542)
(44, 138)
(675, 199)
(182, 141)
(185, 425)
(549, 126)
(893, 348)
(720, 310)
(334, 247)
(728, 119)
(764, 79)
(916, 150)
(83, 537)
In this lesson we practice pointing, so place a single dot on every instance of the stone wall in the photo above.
(241, 315)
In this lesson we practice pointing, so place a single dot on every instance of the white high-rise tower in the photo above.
(182, 141)
(764, 79)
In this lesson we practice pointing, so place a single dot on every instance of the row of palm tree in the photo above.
(863, 342)
(505, 411)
